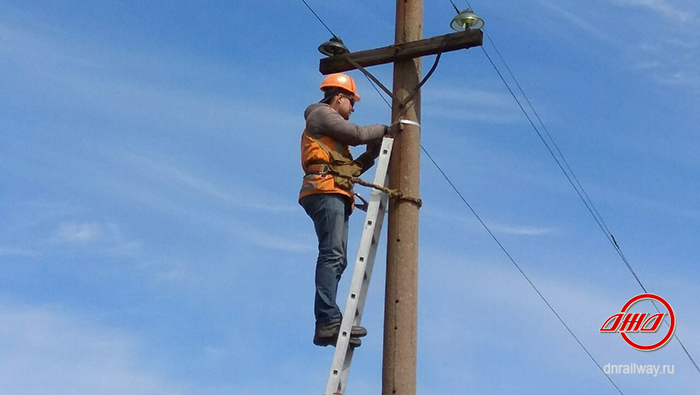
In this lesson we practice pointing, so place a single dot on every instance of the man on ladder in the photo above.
(327, 192)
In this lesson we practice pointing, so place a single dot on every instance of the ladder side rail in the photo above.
(360, 296)
(360, 274)
(342, 346)
(381, 178)
(372, 259)
(345, 371)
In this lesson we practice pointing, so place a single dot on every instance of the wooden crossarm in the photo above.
(409, 50)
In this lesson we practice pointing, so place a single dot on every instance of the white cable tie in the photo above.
(407, 122)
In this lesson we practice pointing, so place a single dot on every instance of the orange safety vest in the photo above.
(320, 155)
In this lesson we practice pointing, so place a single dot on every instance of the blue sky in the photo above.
(151, 243)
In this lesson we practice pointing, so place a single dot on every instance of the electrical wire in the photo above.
(334, 35)
(510, 257)
(319, 18)
(518, 267)
(378, 92)
(591, 207)
(570, 176)
(569, 173)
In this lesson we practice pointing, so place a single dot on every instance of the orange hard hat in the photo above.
(341, 81)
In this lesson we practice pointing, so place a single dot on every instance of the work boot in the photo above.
(358, 331)
(331, 341)
(333, 328)
(327, 335)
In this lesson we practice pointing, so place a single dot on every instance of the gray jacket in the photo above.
(321, 120)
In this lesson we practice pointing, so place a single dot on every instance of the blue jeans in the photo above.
(330, 213)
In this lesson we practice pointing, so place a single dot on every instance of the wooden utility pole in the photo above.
(401, 302)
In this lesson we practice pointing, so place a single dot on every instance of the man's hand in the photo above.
(394, 129)
(363, 205)
(373, 149)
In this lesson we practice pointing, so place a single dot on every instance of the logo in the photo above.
(624, 322)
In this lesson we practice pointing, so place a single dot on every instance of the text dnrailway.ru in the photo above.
(634, 368)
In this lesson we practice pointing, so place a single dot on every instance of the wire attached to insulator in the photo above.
(319, 19)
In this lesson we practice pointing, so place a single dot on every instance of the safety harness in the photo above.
(346, 172)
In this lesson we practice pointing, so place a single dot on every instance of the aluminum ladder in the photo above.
(342, 358)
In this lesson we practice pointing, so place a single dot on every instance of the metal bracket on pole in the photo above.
(408, 122)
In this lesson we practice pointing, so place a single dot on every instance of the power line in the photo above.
(518, 267)
(570, 175)
(590, 207)
(334, 35)
(566, 163)
(319, 18)
(510, 257)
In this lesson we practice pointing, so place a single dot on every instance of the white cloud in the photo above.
(578, 21)
(498, 228)
(77, 233)
(134, 86)
(486, 307)
(274, 242)
(9, 251)
(520, 230)
(170, 180)
(162, 171)
(666, 57)
(48, 352)
(104, 237)
(485, 106)
(668, 10)
(680, 78)
(670, 61)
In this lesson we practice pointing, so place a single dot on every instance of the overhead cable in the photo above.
(327, 28)
(510, 257)
(319, 18)
(570, 175)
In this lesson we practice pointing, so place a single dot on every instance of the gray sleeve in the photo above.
(324, 121)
